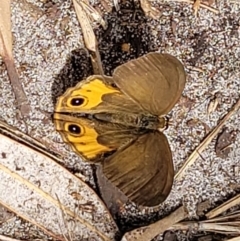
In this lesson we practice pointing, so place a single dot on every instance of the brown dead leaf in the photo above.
(6, 53)
(192, 122)
(224, 141)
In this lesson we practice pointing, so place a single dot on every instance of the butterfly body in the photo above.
(117, 121)
(139, 121)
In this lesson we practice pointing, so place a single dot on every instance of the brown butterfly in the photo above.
(117, 121)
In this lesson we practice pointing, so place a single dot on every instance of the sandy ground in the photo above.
(50, 56)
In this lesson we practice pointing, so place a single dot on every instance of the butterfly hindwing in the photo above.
(90, 138)
(143, 171)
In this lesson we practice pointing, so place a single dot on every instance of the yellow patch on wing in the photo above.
(85, 143)
(90, 95)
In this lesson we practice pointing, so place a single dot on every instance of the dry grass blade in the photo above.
(232, 228)
(5, 28)
(63, 215)
(196, 7)
(228, 224)
(147, 233)
(116, 5)
(89, 36)
(5, 238)
(206, 141)
(6, 53)
(96, 63)
(201, 5)
(225, 224)
(225, 206)
(92, 13)
(231, 216)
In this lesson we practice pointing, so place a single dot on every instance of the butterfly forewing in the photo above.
(96, 95)
(154, 81)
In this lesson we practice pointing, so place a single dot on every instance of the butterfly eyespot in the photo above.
(74, 129)
(77, 101)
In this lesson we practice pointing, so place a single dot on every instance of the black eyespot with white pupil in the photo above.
(74, 129)
(77, 101)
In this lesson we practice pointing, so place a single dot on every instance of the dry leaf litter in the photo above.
(50, 56)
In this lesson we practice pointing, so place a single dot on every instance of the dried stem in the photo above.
(147, 233)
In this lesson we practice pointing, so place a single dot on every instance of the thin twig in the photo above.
(7, 55)
(225, 206)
